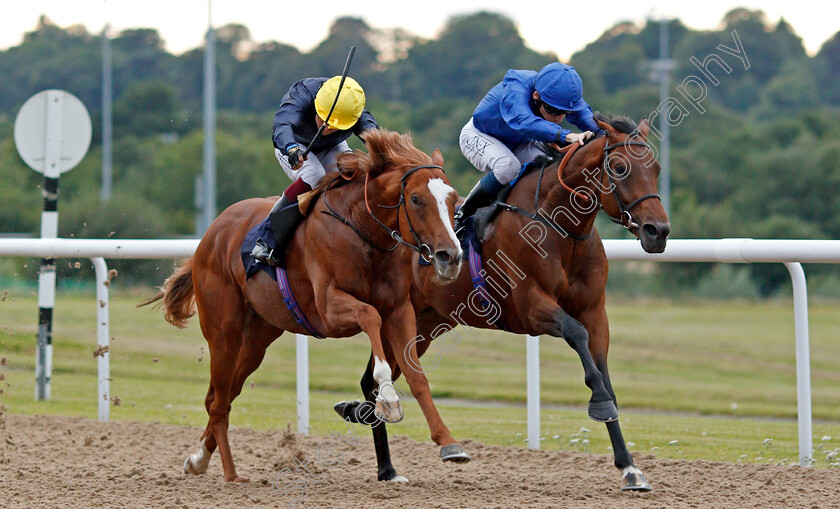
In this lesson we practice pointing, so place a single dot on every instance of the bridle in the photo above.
(625, 218)
(421, 247)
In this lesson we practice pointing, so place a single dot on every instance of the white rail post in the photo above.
(103, 361)
(533, 375)
(803, 362)
(302, 370)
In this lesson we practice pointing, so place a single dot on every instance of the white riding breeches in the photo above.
(489, 154)
(314, 167)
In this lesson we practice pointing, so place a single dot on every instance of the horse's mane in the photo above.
(619, 122)
(386, 151)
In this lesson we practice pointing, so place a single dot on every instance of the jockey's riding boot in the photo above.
(482, 195)
(284, 218)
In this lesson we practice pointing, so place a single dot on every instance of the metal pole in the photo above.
(107, 93)
(49, 229)
(803, 362)
(103, 361)
(209, 180)
(302, 370)
(532, 369)
(664, 128)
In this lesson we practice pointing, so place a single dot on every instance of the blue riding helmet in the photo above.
(560, 86)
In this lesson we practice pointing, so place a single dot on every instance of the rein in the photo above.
(424, 249)
(625, 218)
(536, 214)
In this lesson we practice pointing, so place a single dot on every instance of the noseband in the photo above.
(420, 247)
(625, 218)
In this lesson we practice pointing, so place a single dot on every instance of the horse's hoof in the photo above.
(190, 468)
(237, 480)
(604, 411)
(397, 478)
(389, 412)
(347, 409)
(634, 480)
(454, 452)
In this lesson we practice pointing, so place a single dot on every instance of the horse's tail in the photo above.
(178, 296)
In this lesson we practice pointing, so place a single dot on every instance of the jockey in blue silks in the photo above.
(510, 124)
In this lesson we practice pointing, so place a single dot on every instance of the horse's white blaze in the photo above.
(630, 470)
(440, 190)
(382, 375)
(201, 460)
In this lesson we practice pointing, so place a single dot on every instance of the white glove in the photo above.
(579, 137)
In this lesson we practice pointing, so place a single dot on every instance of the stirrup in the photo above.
(264, 253)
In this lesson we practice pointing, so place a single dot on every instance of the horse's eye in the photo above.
(619, 169)
(415, 200)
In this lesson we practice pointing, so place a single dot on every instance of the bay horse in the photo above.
(348, 268)
(546, 267)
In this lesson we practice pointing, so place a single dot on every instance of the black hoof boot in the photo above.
(347, 410)
(603, 411)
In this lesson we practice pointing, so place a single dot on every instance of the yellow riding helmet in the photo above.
(348, 109)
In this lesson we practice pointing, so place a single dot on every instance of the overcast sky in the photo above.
(559, 26)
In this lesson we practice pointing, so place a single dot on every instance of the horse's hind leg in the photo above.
(598, 326)
(544, 316)
(197, 463)
(256, 337)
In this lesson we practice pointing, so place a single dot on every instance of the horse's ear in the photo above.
(644, 128)
(606, 127)
(437, 157)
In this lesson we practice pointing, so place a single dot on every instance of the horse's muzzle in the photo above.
(654, 236)
(447, 264)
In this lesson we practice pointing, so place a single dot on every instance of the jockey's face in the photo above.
(545, 114)
(319, 123)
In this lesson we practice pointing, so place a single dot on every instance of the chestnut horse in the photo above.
(546, 272)
(348, 275)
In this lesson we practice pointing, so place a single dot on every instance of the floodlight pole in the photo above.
(665, 148)
(107, 92)
(209, 179)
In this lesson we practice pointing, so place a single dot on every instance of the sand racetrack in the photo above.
(49, 462)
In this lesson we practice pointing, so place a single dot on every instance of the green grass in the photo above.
(695, 380)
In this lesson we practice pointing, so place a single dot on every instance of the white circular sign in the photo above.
(52, 132)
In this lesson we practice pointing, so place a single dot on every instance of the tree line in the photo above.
(759, 160)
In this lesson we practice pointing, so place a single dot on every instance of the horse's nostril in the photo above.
(443, 257)
(656, 230)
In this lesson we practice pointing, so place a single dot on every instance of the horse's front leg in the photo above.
(345, 311)
(541, 315)
(399, 330)
(596, 323)
(359, 412)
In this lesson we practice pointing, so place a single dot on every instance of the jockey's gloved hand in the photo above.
(296, 156)
(579, 137)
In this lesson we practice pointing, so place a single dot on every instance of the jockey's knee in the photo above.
(506, 171)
